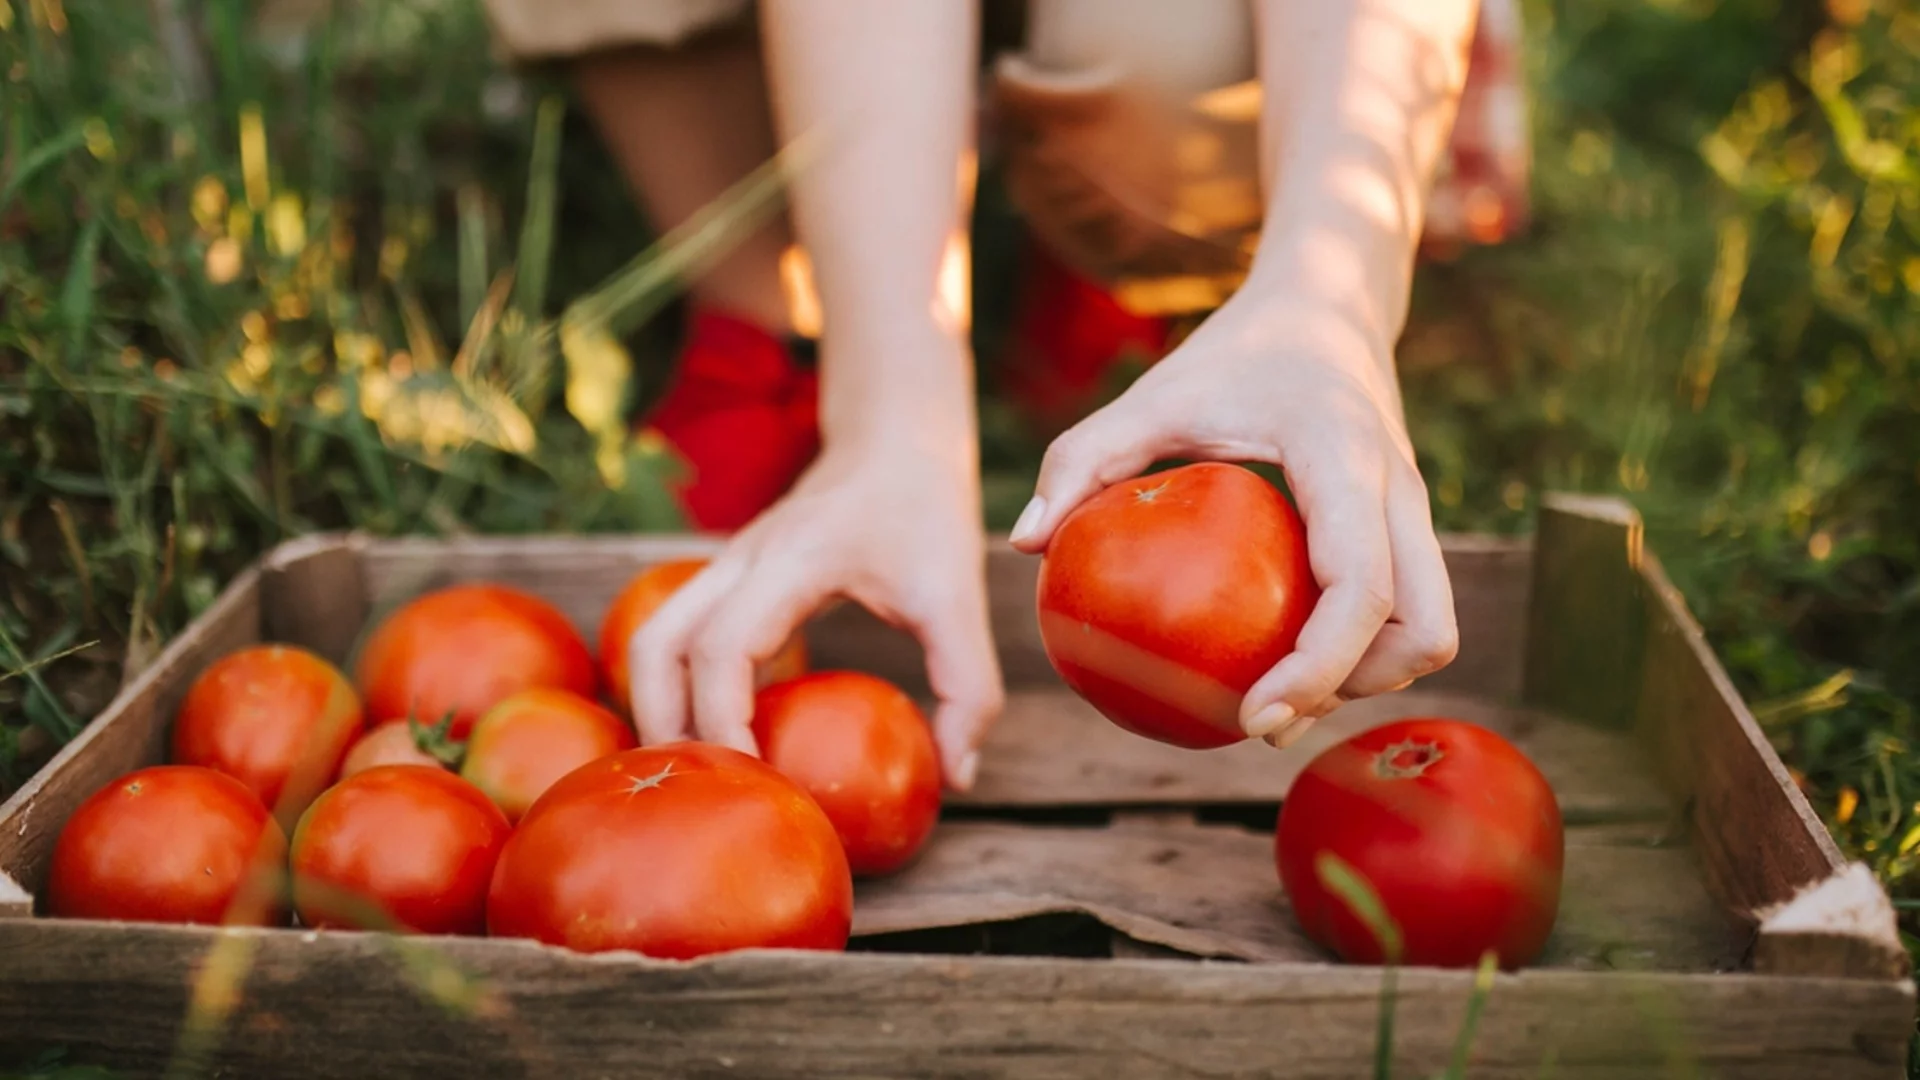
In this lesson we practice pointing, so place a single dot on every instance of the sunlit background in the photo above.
(301, 275)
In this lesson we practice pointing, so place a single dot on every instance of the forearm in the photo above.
(1358, 100)
(888, 88)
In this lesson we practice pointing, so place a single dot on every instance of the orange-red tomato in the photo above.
(525, 743)
(173, 843)
(1455, 830)
(277, 718)
(861, 748)
(392, 743)
(398, 847)
(462, 649)
(674, 851)
(1164, 598)
(641, 597)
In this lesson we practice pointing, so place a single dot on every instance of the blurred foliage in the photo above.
(280, 279)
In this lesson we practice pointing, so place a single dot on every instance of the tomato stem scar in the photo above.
(641, 783)
(1406, 760)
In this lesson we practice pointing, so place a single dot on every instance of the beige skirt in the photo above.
(1126, 130)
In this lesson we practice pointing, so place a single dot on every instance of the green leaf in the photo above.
(76, 295)
(1476, 1004)
(39, 158)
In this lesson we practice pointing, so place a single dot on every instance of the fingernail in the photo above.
(964, 770)
(1029, 519)
(1292, 733)
(1270, 720)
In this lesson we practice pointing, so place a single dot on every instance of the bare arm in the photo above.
(1297, 368)
(890, 514)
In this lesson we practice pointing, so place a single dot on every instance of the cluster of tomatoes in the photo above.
(494, 793)
(1164, 598)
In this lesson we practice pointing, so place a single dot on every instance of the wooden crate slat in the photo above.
(319, 1007)
(1053, 749)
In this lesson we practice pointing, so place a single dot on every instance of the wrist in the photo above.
(905, 393)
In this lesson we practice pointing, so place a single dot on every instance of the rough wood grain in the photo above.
(1715, 759)
(1052, 749)
(534, 1012)
(129, 734)
(1212, 891)
(1585, 627)
(313, 593)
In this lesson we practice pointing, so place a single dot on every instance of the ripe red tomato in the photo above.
(1164, 598)
(525, 743)
(392, 743)
(861, 748)
(641, 597)
(276, 718)
(1453, 827)
(462, 649)
(173, 843)
(398, 847)
(674, 851)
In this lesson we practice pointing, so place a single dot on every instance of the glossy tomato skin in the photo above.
(862, 749)
(391, 743)
(1453, 827)
(1164, 598)
(522, 745)
(641, 597)
(172, 843)
(277, 718)
(674, 851)
(397, 847)
(464, 648)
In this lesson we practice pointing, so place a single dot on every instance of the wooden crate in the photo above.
(1101, 906)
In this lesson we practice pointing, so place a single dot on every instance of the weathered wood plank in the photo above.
(129, 734)
(1585, 627)
(313, 594)
(1213, 891)
(530, 1011)
(1052, 749)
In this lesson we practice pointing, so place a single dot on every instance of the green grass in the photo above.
(233, 309)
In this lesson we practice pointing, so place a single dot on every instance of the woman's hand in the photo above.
(893, 529)
(1278, 376)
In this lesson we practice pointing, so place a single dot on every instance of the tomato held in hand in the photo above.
(674, 851)
(1163, 599)
(398, 847)
(643, 595)
(396, 742)
(276, 718)
(461, 650)
(861, 748)
(174, 843)
(525, 743)
(1453, 827)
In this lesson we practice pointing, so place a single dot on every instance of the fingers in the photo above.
(964, 673)
(656, 655)
(749, 624)
(1422, 636)
(1116, 443)
(1343, 503)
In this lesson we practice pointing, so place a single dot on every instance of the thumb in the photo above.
(1112, 445)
